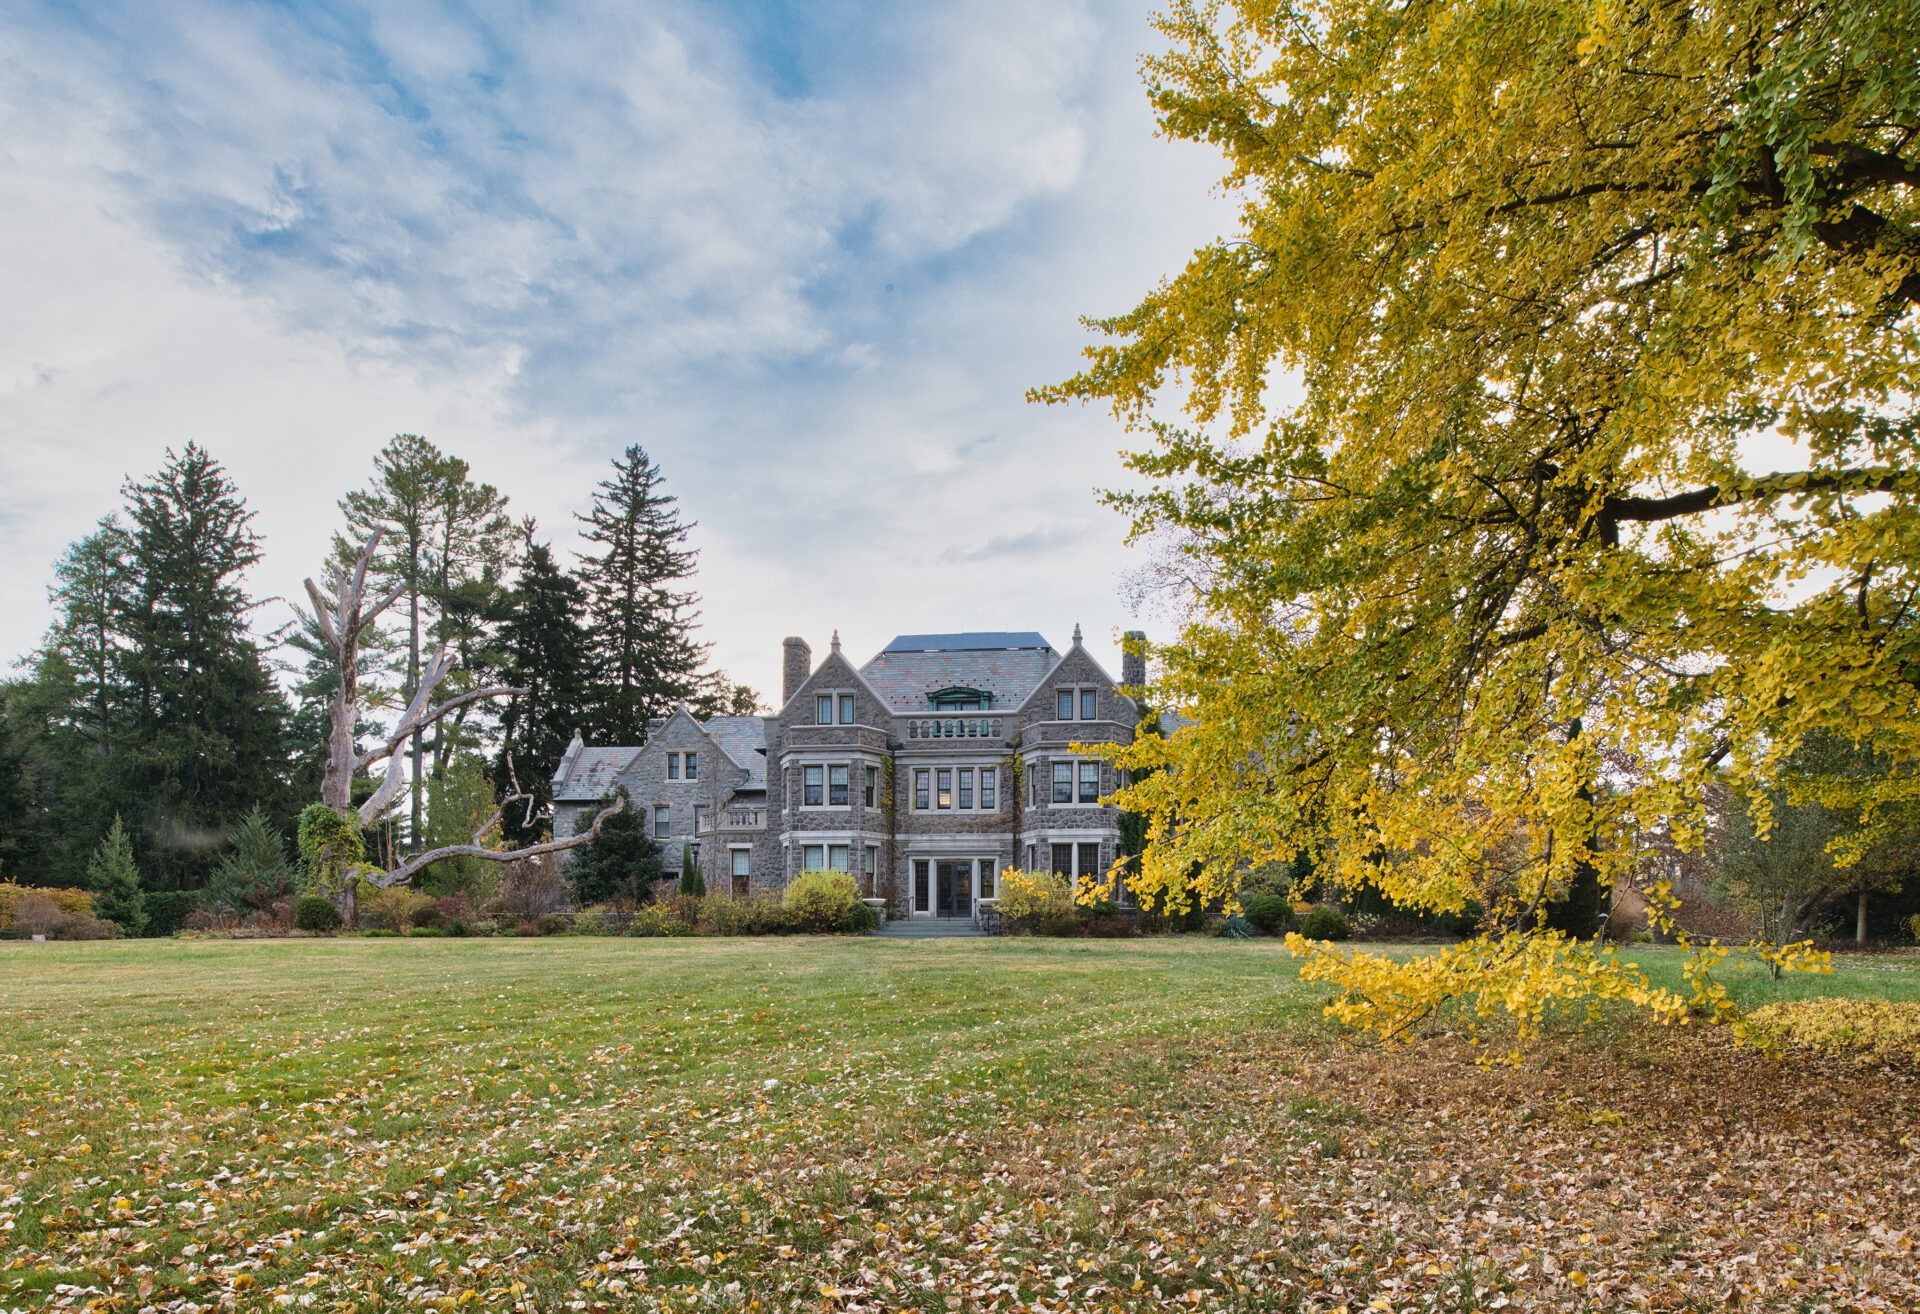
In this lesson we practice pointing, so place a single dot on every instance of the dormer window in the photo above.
(960, 699)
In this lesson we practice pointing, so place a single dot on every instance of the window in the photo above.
(1030, 857)
(846, 709)
(837, 787)
(920, 901)
(943, 788)
(1089, 782)
(1063, 782)
(873, 861)
(812, 857)
(702, 823)
(986, 877)
(810, 795)
(986, 789)
(742, 862)
(693, 766)
(662, 822)
(1063, 705)
(823, 709)
(673, 766)
(1089, 859)
(966, 787)
(1089, 704)
(873, 780)
(1062, 859)
(836, 857)
(921, 782)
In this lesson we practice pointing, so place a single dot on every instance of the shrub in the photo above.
(1038, 903)
(532, 888)
(553, 924)
(1270, 912)
(68, 901)
(603, 919)
(860, 919)
(211, 919)
(724, 914)
(36, 914)
(396, 909)
(431, 932)
(1876, 1030)
(167, 910)
(381, 933)
(658, 919)
(317, 914)
(820, 902)
(1324, 924)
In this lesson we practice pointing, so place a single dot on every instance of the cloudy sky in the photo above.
(809, 255)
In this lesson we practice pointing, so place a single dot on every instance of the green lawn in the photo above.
(858, 1124)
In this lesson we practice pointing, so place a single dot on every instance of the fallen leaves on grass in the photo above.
(613, 1154)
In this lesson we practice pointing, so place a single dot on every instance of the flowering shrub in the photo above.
(662, 917)
(1879, 1030)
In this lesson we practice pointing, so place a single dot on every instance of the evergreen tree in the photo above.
(641, 615)
(544, 651)
(445, 541)
(621, 862)
(253, 873)
(115, 882)
(691, 881)
(205, 739)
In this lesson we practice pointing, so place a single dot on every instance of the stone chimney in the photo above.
(1133, 664)
(796, 665)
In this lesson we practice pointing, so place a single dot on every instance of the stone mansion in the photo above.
(944, 760)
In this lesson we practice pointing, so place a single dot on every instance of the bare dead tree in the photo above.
(342, 617)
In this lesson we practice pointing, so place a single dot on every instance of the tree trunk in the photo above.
(1860, 919)
(413, 686)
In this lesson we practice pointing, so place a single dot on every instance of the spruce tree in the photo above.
(621, 862)
(205, 739)
(115, 882)
(641, 614)
(545, 652)
(253, 873)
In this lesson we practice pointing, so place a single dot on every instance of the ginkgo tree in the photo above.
(1552, 408)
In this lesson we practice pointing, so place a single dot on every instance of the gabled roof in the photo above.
(1007, 665)
(744, 740)
(591, 774)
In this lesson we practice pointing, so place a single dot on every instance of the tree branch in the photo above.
(406, 872)
(408, 727)
(1646, 510)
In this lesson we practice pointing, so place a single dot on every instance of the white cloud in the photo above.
(290, 234)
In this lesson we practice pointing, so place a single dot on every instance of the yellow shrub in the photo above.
(1877, 1029)
(67, 901)
(393, 909)
(1026, 895)
(821, 901)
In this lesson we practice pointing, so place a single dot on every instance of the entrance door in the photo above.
(955, 889)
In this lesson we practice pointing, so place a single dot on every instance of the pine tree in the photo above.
(544, 652)
(641, 617)
(205, 740)
(445, 538)
(115, 882)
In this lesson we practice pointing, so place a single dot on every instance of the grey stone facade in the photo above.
(925, 773)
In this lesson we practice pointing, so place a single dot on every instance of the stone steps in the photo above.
(930, 928)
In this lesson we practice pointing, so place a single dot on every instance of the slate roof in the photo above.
(973, 641)
(592, 774)
(741, 738)
(1007, 665)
